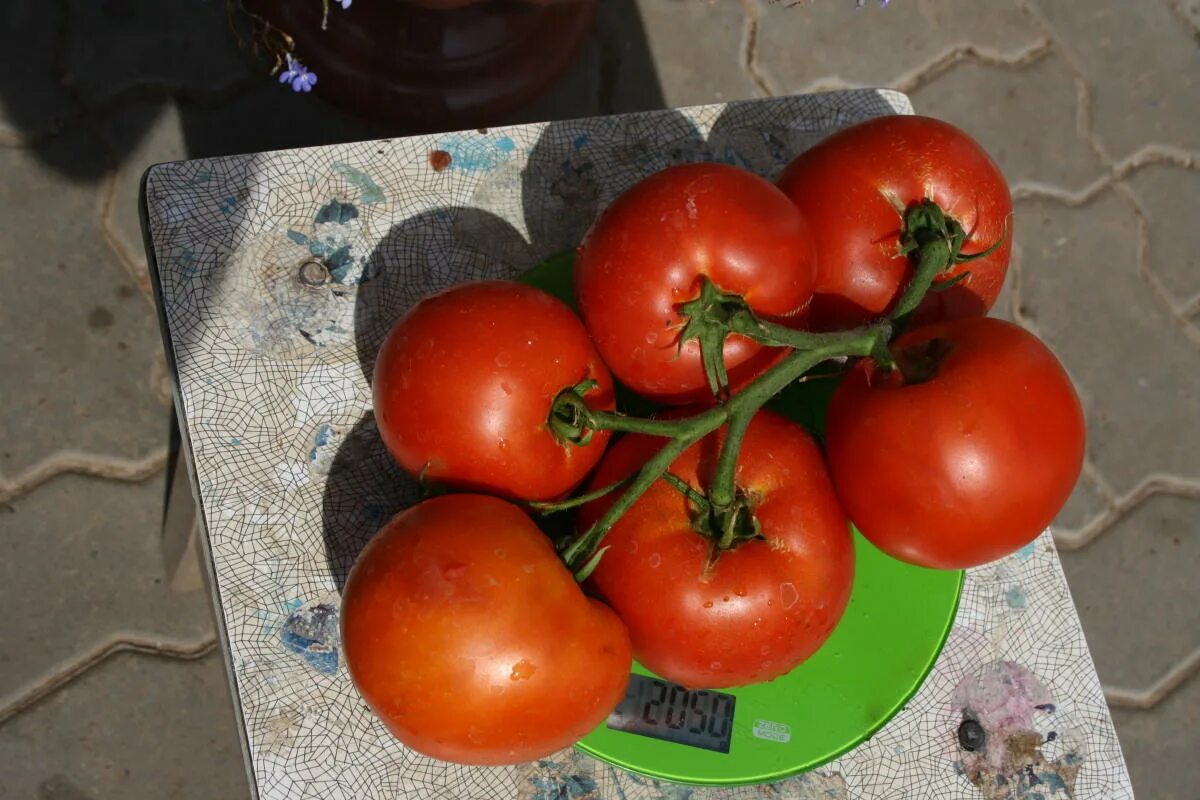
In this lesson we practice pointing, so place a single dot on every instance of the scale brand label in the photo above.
(774, 731)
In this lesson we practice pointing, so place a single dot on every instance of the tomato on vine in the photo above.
(466, 635)
(854, 188)
(464, 386)
(964, 453)
(643, 267)
(712, 604)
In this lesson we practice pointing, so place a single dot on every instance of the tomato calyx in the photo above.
(934, 241)
(570, 417)
(726, 527)
(920, 362)
(708, 321)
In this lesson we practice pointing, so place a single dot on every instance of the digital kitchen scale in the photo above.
(893, 630)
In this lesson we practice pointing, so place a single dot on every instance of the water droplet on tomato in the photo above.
(503, 360)
(725, 599)
(505, 387)
(715, 666)
(522, 670)
(740, 591)
(788, 595)
(765, 650)
(651, 337)
(454, 571)
(499, 552)
(502, 443)
(708, 603)
(654, 560)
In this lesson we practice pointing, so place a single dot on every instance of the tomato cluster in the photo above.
(713, 538)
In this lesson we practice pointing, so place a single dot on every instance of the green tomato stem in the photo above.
(612, 421)
(936, 241)
(583, 544)
(934, 258)
(721, 491)
(859, 342)
(544, 507)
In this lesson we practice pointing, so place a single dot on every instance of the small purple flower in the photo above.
(344, 3)
(298, 76)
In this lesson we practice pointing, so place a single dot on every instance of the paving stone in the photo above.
(281, 119)
(627, 77)
(77, 342)
(714, 30)
(1143, 92)
(134, 727)
(1188, 10)
(33, 99)
(82, 560)
(1168, 195)
(821, 43)
(113, 46)
(1161, 744)
(1013, 113)
(616, 72)
(1087, 500)
(155, 134)
(1081, 288)
(575, 94)
(1136, 591)
(1085, 503)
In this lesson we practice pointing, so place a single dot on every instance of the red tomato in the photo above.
(465, 381)
(761, 608)
(472, 642)
(970, 458)
(853, 187)
(646, 255)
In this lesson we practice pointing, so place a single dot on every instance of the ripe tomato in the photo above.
(465, 381)
(472, 642)
(967, 460)
(760, 608)
(853, 188)
(646, 255)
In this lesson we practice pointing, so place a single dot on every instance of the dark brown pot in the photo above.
(427, 69)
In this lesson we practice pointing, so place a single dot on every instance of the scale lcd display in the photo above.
(664, 710)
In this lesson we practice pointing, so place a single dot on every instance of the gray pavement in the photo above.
(110, 686)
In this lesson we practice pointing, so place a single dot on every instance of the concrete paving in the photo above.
(110, 685)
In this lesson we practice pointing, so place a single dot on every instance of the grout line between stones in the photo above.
(1149, 697)
(188, 650)
(750, 63)
(916, 78)
(1151, 485)
(1182, 16)
(957, 54)
(68, 462)
(134, 266)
